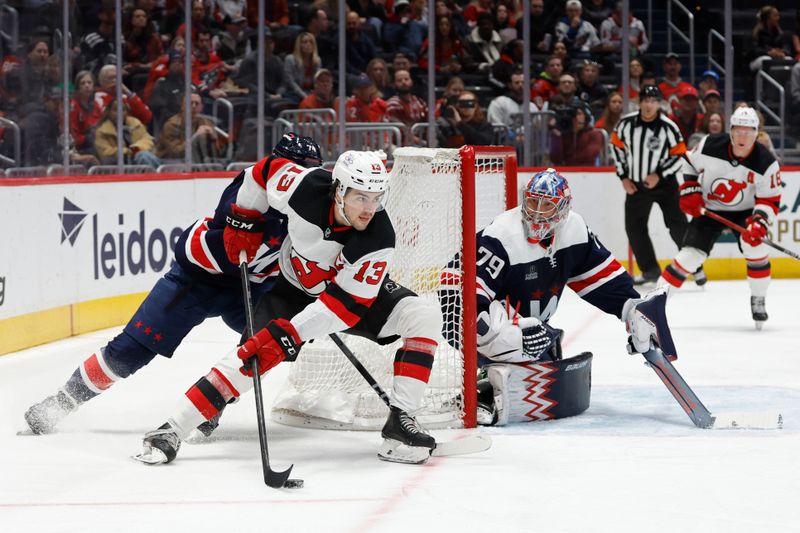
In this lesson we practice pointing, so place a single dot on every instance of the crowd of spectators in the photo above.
(575, 52)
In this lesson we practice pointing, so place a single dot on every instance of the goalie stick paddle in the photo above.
(272, 478)
(470, 444)
(698, 413)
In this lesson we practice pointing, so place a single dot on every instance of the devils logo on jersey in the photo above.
(310, 274)
(727, 191)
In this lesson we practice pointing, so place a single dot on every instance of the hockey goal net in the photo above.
(437, 200)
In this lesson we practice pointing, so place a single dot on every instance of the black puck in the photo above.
(293, 484)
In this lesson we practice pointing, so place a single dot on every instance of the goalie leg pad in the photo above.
(541, 391)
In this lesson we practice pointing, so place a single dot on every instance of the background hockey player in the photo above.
(526, 258)
(736, 177)
(202, 282)
(334, 268)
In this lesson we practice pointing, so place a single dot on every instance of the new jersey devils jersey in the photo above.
(533, 277)
(341, 266)
(201, 252)
(732, 184)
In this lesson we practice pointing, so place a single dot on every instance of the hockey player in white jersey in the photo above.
(527, 256)
(736, 177)
(334, 268)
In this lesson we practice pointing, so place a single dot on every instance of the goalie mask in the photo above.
(362, 175)
(546, 204)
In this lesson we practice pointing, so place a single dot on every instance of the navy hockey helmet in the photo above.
(302, 150)
(546, 204)
(650, 91)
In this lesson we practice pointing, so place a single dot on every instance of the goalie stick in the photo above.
(698, 413)
(272, 478)
(470, 444)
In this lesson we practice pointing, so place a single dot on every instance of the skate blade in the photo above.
(759, 325)
(197, 437)
(151, 457)
(395, 451)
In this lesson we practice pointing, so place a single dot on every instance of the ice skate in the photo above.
(700, 278)
(160, 446)
(202, 432)
(42, 417)
(405, 441)
(759, 310)
(648, 279)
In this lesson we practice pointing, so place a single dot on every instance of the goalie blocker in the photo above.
(529, 392)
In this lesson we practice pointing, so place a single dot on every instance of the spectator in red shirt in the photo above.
(200, 20)
(161, 66)
(672, 82)
(405, 106)
(448, 54)
(81, 108)
(364, 105)
(107, 80)
(547, 84)
(687, 115)
(142, 46)
(322, 95)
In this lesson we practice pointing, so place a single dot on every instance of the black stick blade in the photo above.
(277, 480)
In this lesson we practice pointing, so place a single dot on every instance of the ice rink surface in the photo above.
(632, 462)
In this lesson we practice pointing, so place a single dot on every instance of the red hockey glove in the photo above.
(756, 230)
(244, 230)
(691, 200)
(276, 342)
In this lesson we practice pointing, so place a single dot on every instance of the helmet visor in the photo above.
(363, 200)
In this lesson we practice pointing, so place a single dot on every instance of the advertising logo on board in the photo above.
(128, 249)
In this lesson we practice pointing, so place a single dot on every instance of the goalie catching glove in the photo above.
(277, 342)
(646, 321)
(244, 230)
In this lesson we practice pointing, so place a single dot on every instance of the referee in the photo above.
(647, 148)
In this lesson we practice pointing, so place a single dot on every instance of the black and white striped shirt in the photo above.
(641, 148)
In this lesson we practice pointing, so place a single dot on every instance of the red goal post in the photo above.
(437, 200)
(475, 161)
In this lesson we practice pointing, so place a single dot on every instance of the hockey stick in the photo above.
(471, 444)
(740, 229)
(700, 416)
(272, 478)
(733, 225)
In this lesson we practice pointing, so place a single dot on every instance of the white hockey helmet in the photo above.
(363, 171)
(745, 116)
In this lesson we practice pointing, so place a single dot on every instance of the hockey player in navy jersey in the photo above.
(527, 256)
(736, 177)
(202, 282)
(334, 276)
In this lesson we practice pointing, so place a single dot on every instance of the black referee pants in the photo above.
(637, 213)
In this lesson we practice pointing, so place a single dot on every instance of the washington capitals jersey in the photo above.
(200, 249)
(342, 267)
(533, 277)
(732, 184)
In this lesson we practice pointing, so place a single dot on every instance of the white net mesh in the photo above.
(424, 201)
